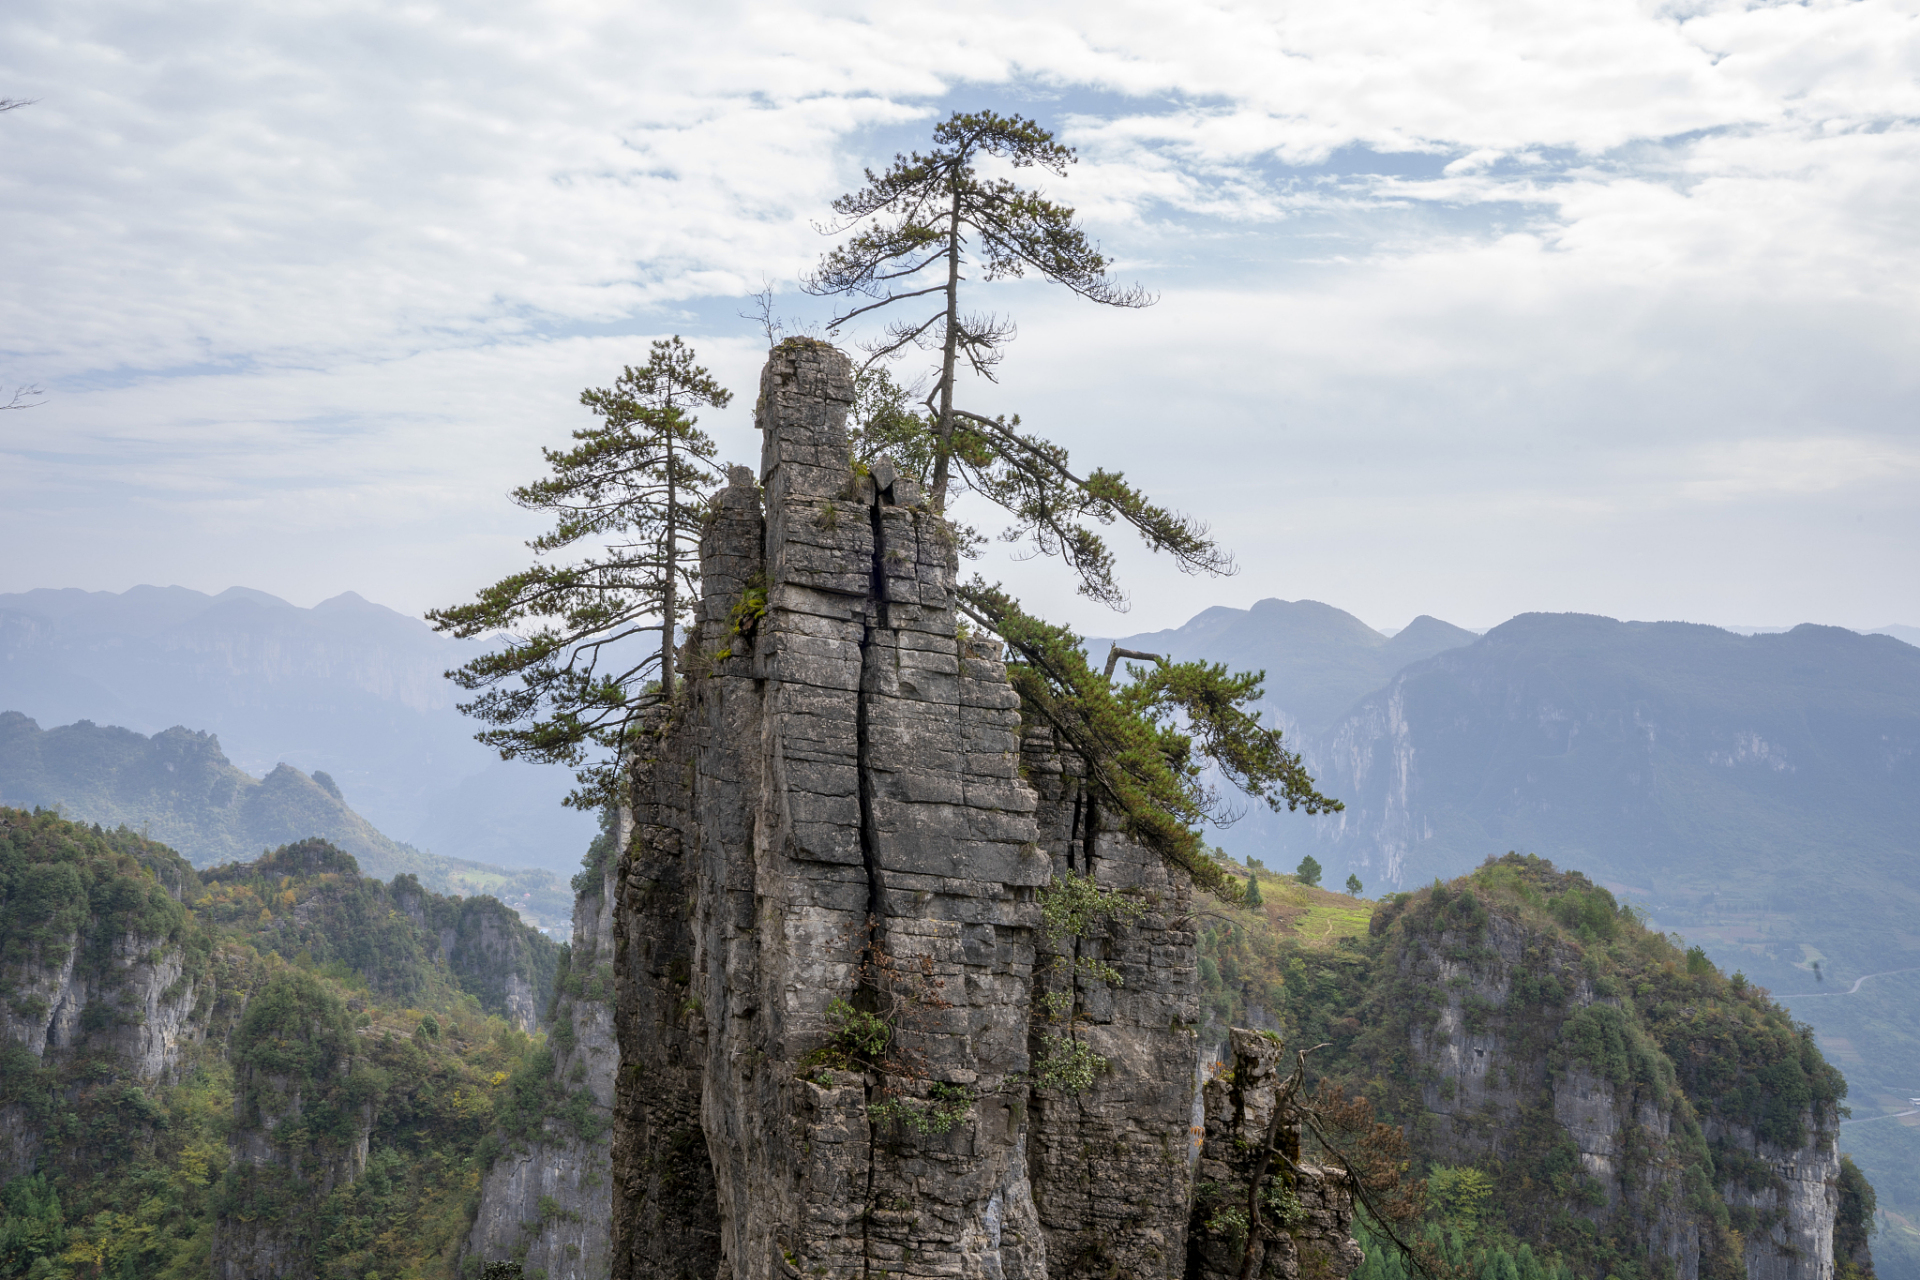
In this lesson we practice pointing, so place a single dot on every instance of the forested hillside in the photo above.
(1585, 1097)
(178, 788)
(278, 1067)
(1755, 794)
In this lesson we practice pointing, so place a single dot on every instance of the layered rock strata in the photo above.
(132, 1002)
(841, 827)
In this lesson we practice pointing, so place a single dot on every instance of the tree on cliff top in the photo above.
(636, 484)
(917, 230)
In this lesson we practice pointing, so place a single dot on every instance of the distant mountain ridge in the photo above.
(1759, 793)
(348, 687)
(1319, 660)
(179, 789)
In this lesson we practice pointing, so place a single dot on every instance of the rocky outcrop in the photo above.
(302, 1119)
(1110, 1174)
(549, 1200)
(1306, 1226)
(1787, 1214)
(1526, 1059)
(841, 1026)
(79, 985)
(265, 1229)
(485, 946)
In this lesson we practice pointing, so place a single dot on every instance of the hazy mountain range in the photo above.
(1758, 794)
(179, 789)
(347, 688)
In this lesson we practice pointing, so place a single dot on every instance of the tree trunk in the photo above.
(943, 432)
(672, 565)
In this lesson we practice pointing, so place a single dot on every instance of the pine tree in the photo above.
(915, 234)
(1253, 891)
(1308, 872)
(636, 485)
(918, 229)
(1353, 885)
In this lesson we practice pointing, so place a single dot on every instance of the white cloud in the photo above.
(1809, 466)
(307, 281)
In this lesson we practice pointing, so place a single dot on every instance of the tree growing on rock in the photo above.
(919, 231)
(915, 234)
(590, 642)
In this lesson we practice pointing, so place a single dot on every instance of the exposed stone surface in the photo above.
(841, 810)
(550, 1201)
(153, 1022)
(1791, 1237)
(1487, 1065)
(1110, 1166)
(1316, 1239)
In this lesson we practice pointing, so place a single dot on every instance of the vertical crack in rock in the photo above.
(846, 764)
(877, 908)
(876, 618)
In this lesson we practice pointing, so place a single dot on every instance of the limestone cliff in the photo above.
(1307, 1223)
(849, 1047)
(1631, 1106)
(120, 979)
(548, 1196)
(303, 1112)
(276, 1068)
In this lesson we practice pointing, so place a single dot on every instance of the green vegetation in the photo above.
(935, 214)
(307, 901)
(1671, 1032)
(1308, 873)
(332, 998)
(634, 489)
(934, 218)
(1149, 741)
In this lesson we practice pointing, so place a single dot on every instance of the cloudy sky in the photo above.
(1467, 307)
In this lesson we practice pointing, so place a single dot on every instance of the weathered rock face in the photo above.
(1306, 1225)
(1110, 1165)
(551, 1200)
(142, 1010)
(1788, 1215)
(838, 823)
(1492, 1083)
(130, 1001)
(484, 945)
(303, 1111)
